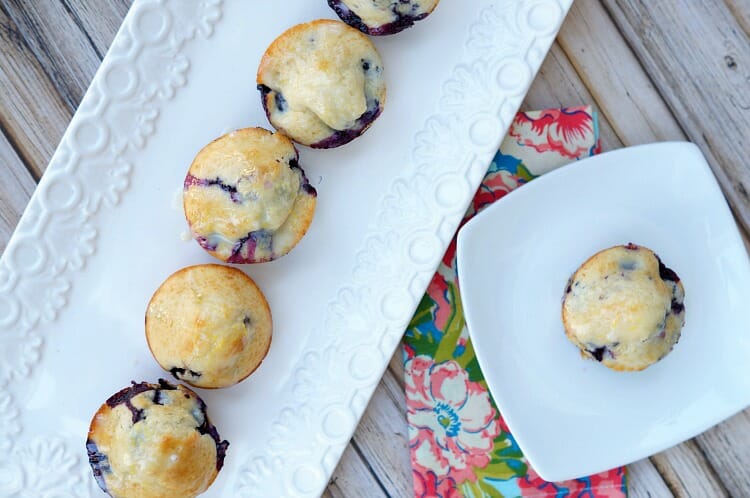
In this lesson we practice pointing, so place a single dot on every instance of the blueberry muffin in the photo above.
(246, 197)
(382, 17)
(209, 326)
(322, 83)
(154, 441)
(624, 308)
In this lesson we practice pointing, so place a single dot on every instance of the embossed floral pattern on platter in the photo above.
(92, 170)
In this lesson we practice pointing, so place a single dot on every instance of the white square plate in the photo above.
(574, 417)
(104, 229)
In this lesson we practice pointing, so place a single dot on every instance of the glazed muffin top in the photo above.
(624, 302)
(382, 17)
(324, 72)
(209, 325)
(154, 441)
(243, 189)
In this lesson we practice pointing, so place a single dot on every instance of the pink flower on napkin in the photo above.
(494, 187)
(607, 485)
(566, 131)
(452, 422)
(428, 485)
(438, 291)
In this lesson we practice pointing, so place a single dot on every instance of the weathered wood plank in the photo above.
(727, 447)
(383, 437)
(396, 366)
(15, 190)
(32, 114)
(687, 473)
(99, 20)
(698, 56)
(389, 401)
(353, 479)
(558, 85)
(741, 10)
(63, 50)
(615, 78)
(644, 481)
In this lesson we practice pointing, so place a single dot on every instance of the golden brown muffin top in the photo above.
(209, 325)
(624, 302)
(154, 441)
(318, 68)
(245, 197)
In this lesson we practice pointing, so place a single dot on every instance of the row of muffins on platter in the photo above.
(247, 200)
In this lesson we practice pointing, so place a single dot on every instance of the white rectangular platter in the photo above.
(105, 228)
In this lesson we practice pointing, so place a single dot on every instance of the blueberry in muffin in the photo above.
(209, 326)
(382, 17)
(154, 441)
(246, 198)
(322, 83)
(624, 308)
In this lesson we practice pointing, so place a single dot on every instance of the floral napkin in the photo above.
(460, 445)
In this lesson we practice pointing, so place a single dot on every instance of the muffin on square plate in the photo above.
(382, 17)
(246, 198)
(209, 326)
(624, 308)
(322, 83)
(154, 441)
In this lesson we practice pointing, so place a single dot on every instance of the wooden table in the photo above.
(656, 70)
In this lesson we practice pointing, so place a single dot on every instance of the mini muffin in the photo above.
(382, 17)
(246, 198)
(154, 441)
(624, 308)
(209, 325)
(322, 83)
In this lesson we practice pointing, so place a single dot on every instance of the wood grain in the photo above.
(98, 20)
(727, 447)
(558, 85)
(396, 366)
(741, 10)
(618, 83)
(55, 39)
(33, 116)
(644, 481)
(353, 478)
(383, 439)
(698, 56)
(687, 473)
(17, 187)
